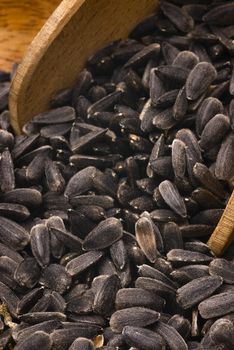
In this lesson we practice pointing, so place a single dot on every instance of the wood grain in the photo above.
(75, 30)
(20, 21)
(223, 235)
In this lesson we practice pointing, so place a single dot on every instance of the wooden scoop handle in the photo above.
(223, 235)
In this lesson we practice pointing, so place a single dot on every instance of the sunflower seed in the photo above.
(83, 262)
(195, 291)
(222, 332)
(27, 273)
(7, 182)
(172, 237)
(206, 199)
(56, 116)
(178, 156)
(180, 256)
(222, 268)
(54, 179)
(81, 304)
(67, 238)
(28, 197)
(63, 338)
(105, 234)
(176, 76)
(80, 182)
(56, 278)
(119, 254)
(8, 297)
(143, 338)
(199, 79)
(220, 15)
(218, 126)
(186, 59)
(217, 305)
(105, 296)
(134, 316)
(172, 197)
(149, 52)
(188, 273)
(181, 105)
(12, 234)
(14, 211)
(162, 289)
(169, 52)
(146, 239)
(170, 335)
(225, 169)
(181, 324)
(40, 244)
(39, 339)
(131, 297)
(82, 344)
(29, 299)
(204, 176)
(56, 246)
(167, 99)
(148, 271)
(156, 91)
(179, 18)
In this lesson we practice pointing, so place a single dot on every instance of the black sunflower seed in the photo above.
(137, 336)
(199, 79)
(39, 339)
(103, 235)
(134, 316)
(195, 291)
(83, 262)
(56, 278)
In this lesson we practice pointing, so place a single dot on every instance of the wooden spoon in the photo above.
(20, 21)
(223, 234)
(75, 30)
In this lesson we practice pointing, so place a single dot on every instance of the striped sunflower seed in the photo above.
(197, 290)
(143, 338)
(40, 244)
(222, 268)
(83, 262)
(134, 316)
(217, 305)
(103, 235)
(171, 196)
(132, 297)
(39, 340)
(180, 19)
(105, 297)
(12, 234)
(199, 80)
(82, 344)
(170, 335)
(146, 239)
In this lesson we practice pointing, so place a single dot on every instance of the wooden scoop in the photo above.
(223, 235)
(75, 30)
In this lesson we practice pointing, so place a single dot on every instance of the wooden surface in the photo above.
(75, 30)
(20, 21)
(223, 235)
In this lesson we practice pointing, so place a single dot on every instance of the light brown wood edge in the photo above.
(223, 235)
(20, 21)
(53, 26)
(74, 31)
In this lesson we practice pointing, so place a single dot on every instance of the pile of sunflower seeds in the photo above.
(108, 198)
